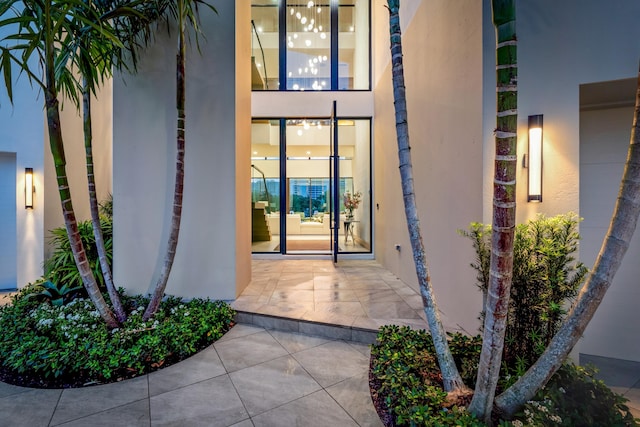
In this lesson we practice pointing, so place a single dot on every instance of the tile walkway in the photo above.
(251, 377)
(356, 297)
(277, 367)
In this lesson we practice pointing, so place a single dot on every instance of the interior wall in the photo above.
(210, 246)
(362, 178)
(443, 72)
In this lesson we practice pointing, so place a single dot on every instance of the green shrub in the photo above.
(573, 397)
(72, 342)
(410, 382)
(55, 294)
(106, 206)
(61, 268)
(405, 368)
(546, 277)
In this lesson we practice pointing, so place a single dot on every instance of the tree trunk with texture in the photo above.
(57, 151)
(172, 244)
(504, 210)
(93, 203)
(452, 381)
(615, 244)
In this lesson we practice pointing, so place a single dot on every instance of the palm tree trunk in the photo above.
(504, 210)
(615, 244)
(93, 203)
(161, 284)
(452, 382)
(57, 151)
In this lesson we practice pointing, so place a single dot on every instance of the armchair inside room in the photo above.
(293, 223)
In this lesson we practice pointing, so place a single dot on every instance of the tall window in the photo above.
(303, 45)
(265, 64)
(308, 45)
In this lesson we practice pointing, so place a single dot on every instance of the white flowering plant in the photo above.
(46, 345)
(574, 397)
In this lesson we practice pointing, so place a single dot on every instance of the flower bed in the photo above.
(49, 346)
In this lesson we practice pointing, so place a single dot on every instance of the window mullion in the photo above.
(334, 44)
(282, 44)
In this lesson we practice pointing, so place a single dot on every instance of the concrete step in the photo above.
(326, 330)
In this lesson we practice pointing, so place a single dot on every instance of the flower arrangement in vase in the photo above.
(351, 202)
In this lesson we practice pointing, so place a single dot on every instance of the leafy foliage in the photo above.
(61, 268)
(70, 341)
(106, 206)
(56, 295)
(574, 397)
(405, 363)
(546, 277)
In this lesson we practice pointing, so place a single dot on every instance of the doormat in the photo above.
(306, 245)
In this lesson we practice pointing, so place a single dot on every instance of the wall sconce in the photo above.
(29, 188)
(534, 193)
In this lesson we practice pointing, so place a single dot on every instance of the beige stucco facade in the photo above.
(213, 254)
(443, 69)
(450, 78)
(563, 47)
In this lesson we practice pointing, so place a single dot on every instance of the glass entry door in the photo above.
(311, 185)
(308, 186)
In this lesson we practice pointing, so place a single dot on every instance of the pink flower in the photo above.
(352, 201)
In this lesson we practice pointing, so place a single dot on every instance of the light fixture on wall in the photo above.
(29, 188)
(534, 193)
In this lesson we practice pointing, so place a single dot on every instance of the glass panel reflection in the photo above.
(353, 44)
(265, 53)
(265, 185)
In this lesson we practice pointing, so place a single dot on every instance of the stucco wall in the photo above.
(604, 142)
(144, 165)
(21, 135)
(243, 146)
(443, 68)
(560, 46)
(73, 134)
